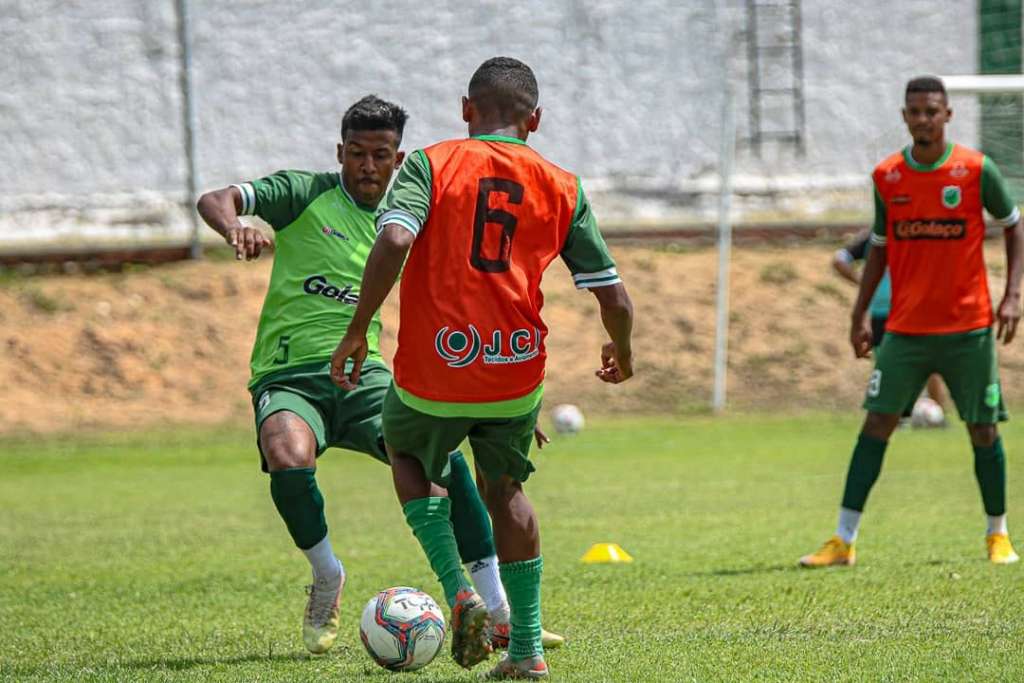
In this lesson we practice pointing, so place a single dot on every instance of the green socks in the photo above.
(522, 583)
(429, 519)
(990, 469)
(865, 465)
(470, 521)
(300, 505)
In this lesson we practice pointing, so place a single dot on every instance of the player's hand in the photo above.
(860, 338)
(615, 367)
(248, 242)
(1008, 318)
(349, 348)
(540, 437)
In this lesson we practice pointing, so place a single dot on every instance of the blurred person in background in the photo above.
(843, 263)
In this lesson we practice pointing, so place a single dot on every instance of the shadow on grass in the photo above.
(183, 663)
(744, 571)
(186, 663)
(172, 664)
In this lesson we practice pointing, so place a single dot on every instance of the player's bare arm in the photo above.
(617, 317)
(1009, 312)
(844, 267)
(860, 327)
(382, 270)
(219, 210)
(843, 260)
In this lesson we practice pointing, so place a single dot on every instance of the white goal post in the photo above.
(994, 84)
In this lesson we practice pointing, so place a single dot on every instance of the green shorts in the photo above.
(501, 445)
(343, 419)
(966, 361)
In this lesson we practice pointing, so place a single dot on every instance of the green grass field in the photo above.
(160, 557)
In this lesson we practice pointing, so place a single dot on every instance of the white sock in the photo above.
(487, 582)
(326, 567)
(997, 524)
(849, 522)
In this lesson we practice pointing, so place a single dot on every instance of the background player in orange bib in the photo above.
(480, 219)
(929, 230)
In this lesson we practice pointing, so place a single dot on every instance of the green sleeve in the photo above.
(408, 201)
(585, 252)
(281, 198)
(995, 195)
(878, 233)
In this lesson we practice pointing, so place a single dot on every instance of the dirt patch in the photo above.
(170, 344)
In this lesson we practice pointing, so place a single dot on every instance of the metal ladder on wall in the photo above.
(775, 73)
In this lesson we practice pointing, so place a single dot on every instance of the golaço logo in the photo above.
(318, 284)
(930, 229)
(331, 232)
(460, 349)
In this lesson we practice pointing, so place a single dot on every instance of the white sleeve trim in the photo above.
(248, 198)
(843, 256)
(1010, 220)
(878, 240)
(401, 218)
(602, 278)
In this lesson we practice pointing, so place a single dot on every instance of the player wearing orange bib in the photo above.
(480, 219)
(929, 230)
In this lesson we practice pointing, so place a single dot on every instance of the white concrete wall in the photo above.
(90, 109)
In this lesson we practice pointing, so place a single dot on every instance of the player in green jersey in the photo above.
(324, 229)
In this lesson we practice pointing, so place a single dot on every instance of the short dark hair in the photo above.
(925, 84)
(504, 87)
(373, 113)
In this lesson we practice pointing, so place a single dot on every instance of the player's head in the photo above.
(926, 109)
(371, 132)
(502, 94)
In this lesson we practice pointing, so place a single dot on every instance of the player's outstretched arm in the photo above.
(382, 269)
(1008, 314)
(860, 327)
(842, 263)
(219, 210)
(842, 260)
(617, 317)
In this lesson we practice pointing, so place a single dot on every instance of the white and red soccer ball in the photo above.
(402, 628)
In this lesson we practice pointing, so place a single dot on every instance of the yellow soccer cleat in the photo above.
(500, 635)
(320, 624)
(835, 551)
(1000, 551)
(551, 641)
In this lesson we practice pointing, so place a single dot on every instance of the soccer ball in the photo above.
(567, 418)
(402, 628)
(927, 413)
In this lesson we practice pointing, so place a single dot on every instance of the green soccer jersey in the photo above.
(323, 238)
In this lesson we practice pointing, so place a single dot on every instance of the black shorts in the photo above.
(877, 330)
